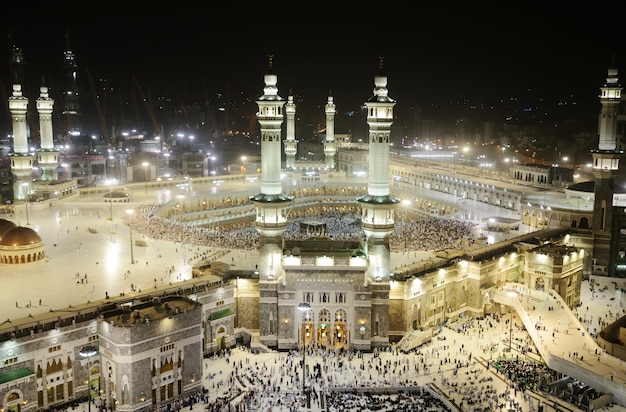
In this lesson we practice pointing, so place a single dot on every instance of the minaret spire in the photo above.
(271, 203)
(377, 206)
(21, 160)
(329, 144)
(271, 206)
(291, 144)
(47, 156)
(605, 168)
(379, 118)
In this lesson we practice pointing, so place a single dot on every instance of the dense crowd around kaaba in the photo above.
(426, 233)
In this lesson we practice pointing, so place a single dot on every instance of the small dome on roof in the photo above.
(19, 236)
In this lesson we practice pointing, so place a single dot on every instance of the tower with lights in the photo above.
(291, 144)
(329, 143)
(21, 160)
(606, 241)
(271, 204)
(47, 155)
(377, 206)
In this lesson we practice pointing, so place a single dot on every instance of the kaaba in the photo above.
(313, 228)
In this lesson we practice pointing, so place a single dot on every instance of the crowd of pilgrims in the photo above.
(424, 233)
(342, 380)
(337, 380)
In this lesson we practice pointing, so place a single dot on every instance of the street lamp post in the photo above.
(111, 201)
(303, 307)
(243, 168)
(87, 352)
(180, 218)
(512, 295)
(130, 231)
(145, 174)
(511, 332)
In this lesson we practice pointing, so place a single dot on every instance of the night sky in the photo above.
(430, 56)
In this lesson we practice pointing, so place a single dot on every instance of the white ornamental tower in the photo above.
(291, 144)
(329, 144)
(271, 203)
(605, 168)
(377, 207)
(47, 156)
(21, 160)
(271, 208)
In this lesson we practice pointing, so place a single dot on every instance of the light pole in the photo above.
(180, 219)
(130, 231)
(243, 168)
(512, 295)
(87, 352)
(111, 200)
(26, 205)
(145, 174)
(304, 308)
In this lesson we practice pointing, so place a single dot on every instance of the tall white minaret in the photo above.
(21, 160)
(47, 156)
(377, 208)
(329, 144)
(291, 144)
(378, 205)
(271, 203)
(605, 168)
(271, 207)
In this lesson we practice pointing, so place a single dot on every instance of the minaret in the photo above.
(271, 207)
(47, 156)
(21, 160)
(377, 207)
(605, 168)
(329, 144)
(271, 203)
(291, 144)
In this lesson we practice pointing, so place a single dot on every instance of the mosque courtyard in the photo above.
(91, 254)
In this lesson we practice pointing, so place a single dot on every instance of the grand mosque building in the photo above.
(318, 290)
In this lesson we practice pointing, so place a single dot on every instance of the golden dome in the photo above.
(19, 236)
(6, 225)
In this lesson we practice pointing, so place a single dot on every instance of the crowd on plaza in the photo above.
(444, 373)
(428, 378)
(430, 233)
(423, 233)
